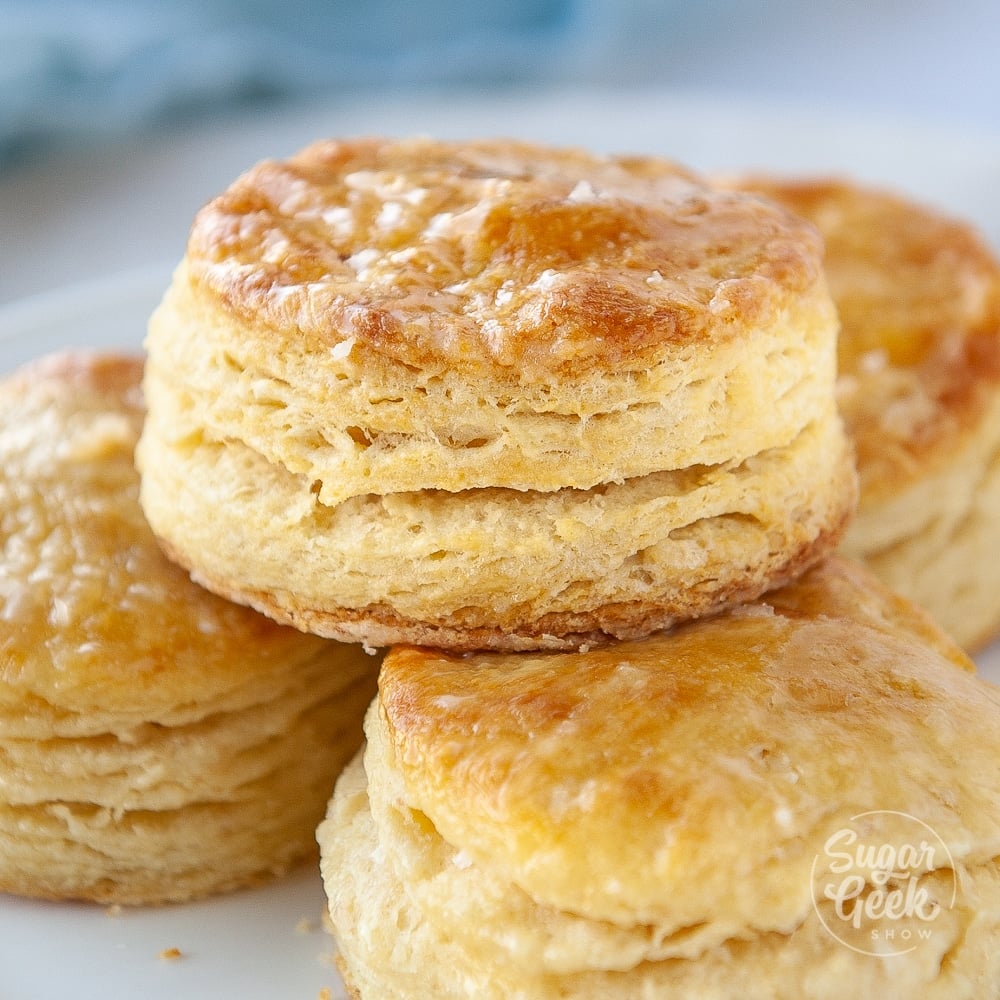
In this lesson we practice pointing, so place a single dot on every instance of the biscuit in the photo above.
(157, 743)
(492, 395)
(668, 817)
(919, 299)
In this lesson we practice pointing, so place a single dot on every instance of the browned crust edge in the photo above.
(379, 625)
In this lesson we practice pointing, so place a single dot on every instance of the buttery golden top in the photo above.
(697, 773)
(94, 621)
(918, 295)
(516, 259)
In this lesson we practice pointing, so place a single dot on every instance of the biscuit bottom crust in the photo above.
(496, 568)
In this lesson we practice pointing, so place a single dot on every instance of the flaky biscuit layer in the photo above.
(157, 741)
(918, 294)
(492, 394)
(499, 568)
(644, 819)
(388, 316)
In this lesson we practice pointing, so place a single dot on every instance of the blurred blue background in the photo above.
(79, 69)
(76, 68)
(82, 70)
(119, 118)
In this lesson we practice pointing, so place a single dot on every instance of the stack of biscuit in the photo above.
(157, 743)
(680, 816)
(489, 395)
(563, 432)
(918, 295)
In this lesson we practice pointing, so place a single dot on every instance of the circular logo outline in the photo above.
(950, 866)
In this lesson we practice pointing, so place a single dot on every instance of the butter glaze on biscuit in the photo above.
(434, 254)
(547, 288)
(157, 743)
(642, 820)
(918, 294)
(373, 326)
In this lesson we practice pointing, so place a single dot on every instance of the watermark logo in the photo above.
(873, 901)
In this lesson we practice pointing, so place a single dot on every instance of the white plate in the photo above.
(266, 943)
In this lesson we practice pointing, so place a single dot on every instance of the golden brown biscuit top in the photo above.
(494, 255)
(647, 780)
(918, 295)
(93, 618)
